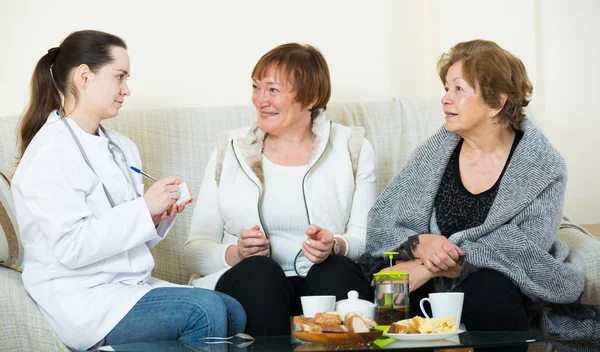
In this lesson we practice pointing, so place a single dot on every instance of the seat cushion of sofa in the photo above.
(22, 327)
(583, 254)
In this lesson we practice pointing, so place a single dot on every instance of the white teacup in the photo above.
(444, 304)
(312, 305)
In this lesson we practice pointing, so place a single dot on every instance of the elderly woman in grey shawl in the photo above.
(487, 188)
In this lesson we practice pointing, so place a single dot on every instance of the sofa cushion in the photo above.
(179, 142)
(11, 250)
(23, 327)
(583, 254)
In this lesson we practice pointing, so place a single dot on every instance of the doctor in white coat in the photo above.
(86, 225)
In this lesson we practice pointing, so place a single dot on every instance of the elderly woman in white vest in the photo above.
(487, 188)
(283, 206)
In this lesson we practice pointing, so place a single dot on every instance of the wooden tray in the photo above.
(337, 338)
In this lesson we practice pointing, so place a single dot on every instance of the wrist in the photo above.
(429, 274)
(343, 246)
(413, 245)
(232, 255)
(336, 248)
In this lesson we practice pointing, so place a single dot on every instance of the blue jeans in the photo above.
(179, 313)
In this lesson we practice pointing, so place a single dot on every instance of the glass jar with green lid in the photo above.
(391, 297)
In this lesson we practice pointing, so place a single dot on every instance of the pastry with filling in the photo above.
(418, 325)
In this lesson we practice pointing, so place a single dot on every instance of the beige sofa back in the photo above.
(179, 142)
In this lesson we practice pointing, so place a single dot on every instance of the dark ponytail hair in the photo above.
(51, 77)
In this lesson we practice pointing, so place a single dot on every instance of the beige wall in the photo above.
(200, 53)
(569, 54)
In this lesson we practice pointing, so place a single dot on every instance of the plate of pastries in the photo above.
(335, 328)
(419, 329)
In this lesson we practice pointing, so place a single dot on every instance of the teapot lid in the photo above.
(353, 302)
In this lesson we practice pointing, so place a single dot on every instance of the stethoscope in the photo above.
(113, 148)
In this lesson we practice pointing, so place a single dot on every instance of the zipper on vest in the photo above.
(259, 195)
(304, 197)
(308, 171)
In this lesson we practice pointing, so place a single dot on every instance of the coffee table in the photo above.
(473, 339)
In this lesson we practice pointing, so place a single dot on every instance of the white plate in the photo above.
(423, 337)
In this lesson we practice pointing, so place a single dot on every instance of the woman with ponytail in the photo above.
(86, 224)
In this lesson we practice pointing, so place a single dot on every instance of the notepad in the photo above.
(185, 195)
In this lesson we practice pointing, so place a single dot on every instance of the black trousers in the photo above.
(270, 298)
(492, 303)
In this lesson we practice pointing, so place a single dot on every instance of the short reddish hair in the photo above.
(305, 68)
(485, 65)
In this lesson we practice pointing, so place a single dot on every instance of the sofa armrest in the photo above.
(583, 254)
(22, 326)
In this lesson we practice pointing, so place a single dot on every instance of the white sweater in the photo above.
(335, 198)
(283, 212)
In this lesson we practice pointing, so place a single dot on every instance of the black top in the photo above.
(456, 208)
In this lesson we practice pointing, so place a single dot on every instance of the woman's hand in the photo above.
(437, 253)
(452, 273)
(250, 242)
(317, 247)
(418, 275)
(161, 196)
(175, 209)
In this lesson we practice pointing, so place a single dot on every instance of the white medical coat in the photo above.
(85, 264)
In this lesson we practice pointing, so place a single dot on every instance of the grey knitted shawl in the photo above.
(518, 237)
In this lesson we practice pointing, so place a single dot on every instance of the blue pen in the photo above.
(142, 173)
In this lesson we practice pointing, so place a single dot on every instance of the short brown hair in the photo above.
(305, 68)
(495, 71)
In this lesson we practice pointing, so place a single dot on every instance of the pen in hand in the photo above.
(142, 173)
(185, 195)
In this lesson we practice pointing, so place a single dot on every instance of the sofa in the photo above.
(179, 142)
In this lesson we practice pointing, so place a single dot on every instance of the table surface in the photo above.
(288, 343)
